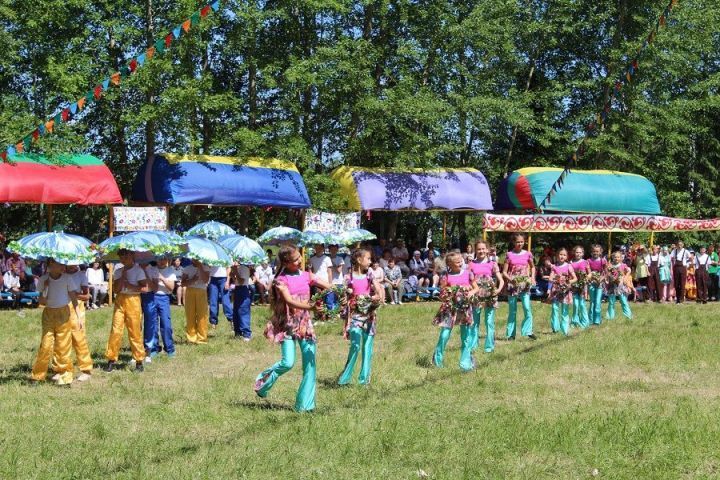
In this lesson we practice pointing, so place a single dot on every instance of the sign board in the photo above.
(325, 222)
(135, 219)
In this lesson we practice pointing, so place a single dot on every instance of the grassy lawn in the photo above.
(633, 399)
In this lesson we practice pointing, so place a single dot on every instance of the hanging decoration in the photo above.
(96, 93)
(601, 117)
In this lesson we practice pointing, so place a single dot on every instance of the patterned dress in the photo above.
(448, 316)
(557, 294)
(364, 320)
(287, 321)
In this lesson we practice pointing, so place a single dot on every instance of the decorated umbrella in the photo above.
(152, 241)
(280, 235)
(311, 237)
(243, 249)
(63, 247)
(207, 252)
(352, 236)
(212, 230)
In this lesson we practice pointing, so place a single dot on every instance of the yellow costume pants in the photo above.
(57, 337)
(196, 315)
(79, 342)
(128, 313)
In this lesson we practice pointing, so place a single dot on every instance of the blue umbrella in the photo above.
(63, 247)
(156, 242)
(280, 235)
(207, 252)
(212, 230)
(352, 236)
(311, 237)
(243, 249)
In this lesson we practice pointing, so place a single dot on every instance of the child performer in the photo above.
(702, 262)
(616, 287)
(196, 278)
(665, 274)
(129, 281)
(562, 278)
(519, 263)
(290, 322)
(452, 314)
(361, 319)
(582, 272)
(57, 293)
(242, 300)
(79, 339)
(598, 265)
(485, 272)
(156, 309)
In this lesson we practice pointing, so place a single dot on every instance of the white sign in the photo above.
(325, 222)
(135, 219)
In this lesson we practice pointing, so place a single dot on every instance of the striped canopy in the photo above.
(208, 180)
(413, 189)
(67, 179)
(583, 191)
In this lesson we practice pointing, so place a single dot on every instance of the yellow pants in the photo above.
(127, 313)
(57, 338)
(196, 315)
(79, 342)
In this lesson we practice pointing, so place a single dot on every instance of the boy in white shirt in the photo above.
(129, 281)
(57, 294)
(320, 263)
(156, 309)
(96, 283)
(196, 278)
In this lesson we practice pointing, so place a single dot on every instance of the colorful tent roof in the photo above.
(413, 189)
(584, 191)
(207, 180)
(80, 179)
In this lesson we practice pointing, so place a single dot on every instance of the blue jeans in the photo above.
(242, 299)
(217, 293)
(157, 307)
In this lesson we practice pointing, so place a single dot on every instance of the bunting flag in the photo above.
(625, 79)
(69, 112)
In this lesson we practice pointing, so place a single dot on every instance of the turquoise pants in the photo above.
(358, 339)
(466, 360)
(596, 295)
(623, 303)
(560, 318)
(527, 324)
(580, 314)
(305, 400)
(489, 329)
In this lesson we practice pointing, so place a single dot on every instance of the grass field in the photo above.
(632, 399)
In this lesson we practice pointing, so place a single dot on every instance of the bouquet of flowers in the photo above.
(561, 286)
(614, 277)
(583, 279)
(454, 299)
(595, 279)
(364, 304)
(318, 302)
(519, 284)
(486, 294)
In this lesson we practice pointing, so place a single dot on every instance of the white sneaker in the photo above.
(392, 303)
(55, 377)
(148, 359)
(83, 377)
(132, 363)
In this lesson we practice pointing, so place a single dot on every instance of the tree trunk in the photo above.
(513, 137)
(149, 96)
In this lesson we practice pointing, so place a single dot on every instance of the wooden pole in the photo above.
(484, 235)
(302, 228)
(444, 241)
(111, 228)
(167, 217)
(529, 245)
(262, 220)
(652, 240)
(609, 250)
(50, 218)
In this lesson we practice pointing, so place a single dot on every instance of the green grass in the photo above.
(633, 399)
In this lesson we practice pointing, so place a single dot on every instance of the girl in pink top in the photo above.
(616, 287)
(519, 271)
(562, 278)
(452, 313)
(365, 296)
(597, 265)
(486, 274)
(290, 322)
(582, 272)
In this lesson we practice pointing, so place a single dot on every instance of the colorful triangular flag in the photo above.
(133, 65)
(97, 93)
(41, 129)
(65, 114)
(186, 26)
(27, 141)
(58, 119)
(49, 126)
(195, 18)
(35, 134)
(106, 84)
(150, 53)
(4, 156)
(205, 11)
(115, 78)
(177, 32)
(11, 151)
(20, 148)
(215, 5)
(81, 103)
(141, 59)
(168, 39)
(160, 45)
(73, 108)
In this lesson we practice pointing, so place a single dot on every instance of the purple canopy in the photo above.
(413, 189)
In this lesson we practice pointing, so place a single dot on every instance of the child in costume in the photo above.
(665, 274)
(457, 288)
(580, 288)
(562, 277)
(486, 273)
(364, 293)
(291, 322)
(519, 271)
(156, 309)
(79, 339)
(598, 265)
(616, 286)
(195, 279)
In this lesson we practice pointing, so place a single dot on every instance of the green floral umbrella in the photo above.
(153, 241)
(65, 248)
(243, 250)
(207, 252)
(212, 230)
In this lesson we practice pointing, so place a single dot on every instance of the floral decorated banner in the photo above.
(136, 219)
(325, 222)
(595, 223)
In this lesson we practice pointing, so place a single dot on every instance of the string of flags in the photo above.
(601, 117)
(96, 93)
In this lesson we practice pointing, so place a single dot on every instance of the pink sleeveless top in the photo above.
(580, 265)
(482, 269)
(597, 265)
(360, 286)
(461, 279)
(519, 263)
(561, 269)
(299, 285)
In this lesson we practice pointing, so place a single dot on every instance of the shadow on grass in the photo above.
(261, 405)
(18, 373)
(331, 383)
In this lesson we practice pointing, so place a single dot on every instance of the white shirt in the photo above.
(80, 280)
(10, 280)
(264, 274)
(217, 272)
(190, 271)
(338, 276)
(243, 272)
(320, 265)
(702, 260)
(56, 291)
(95, 276)
(134, 275)
(168, 273)
(681, 255)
